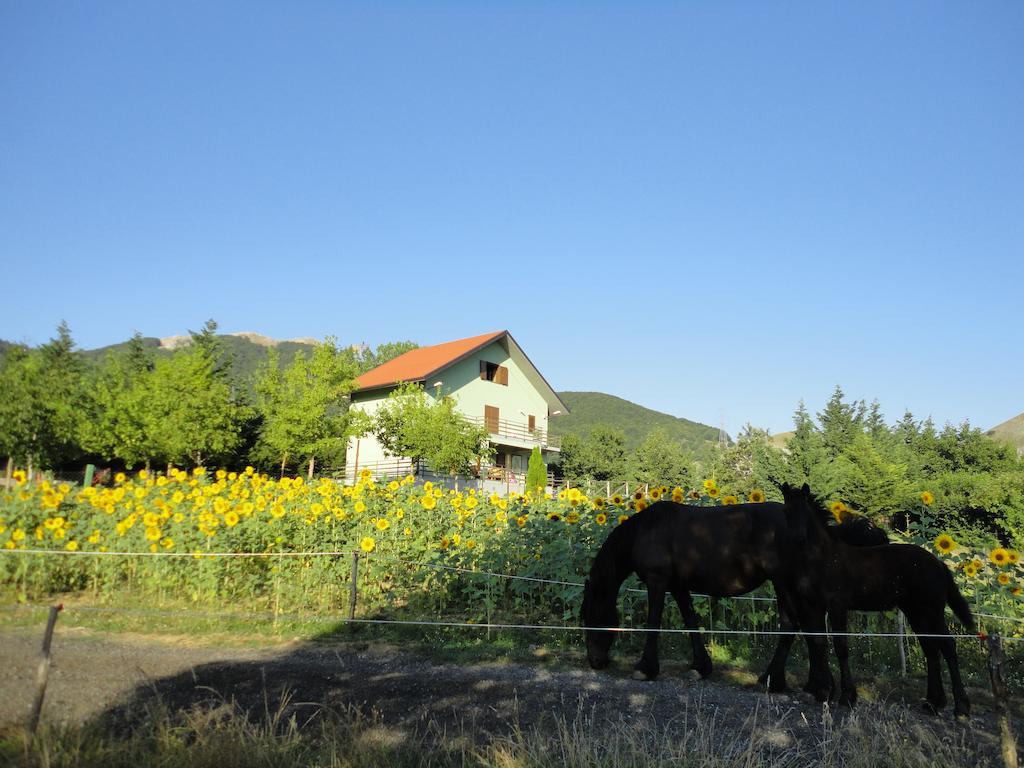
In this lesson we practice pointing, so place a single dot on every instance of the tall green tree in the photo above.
(195, 416)
(414, 425)
(751, 462)
(304, 408)
(116, 421)
(24, 421)
(660, 460)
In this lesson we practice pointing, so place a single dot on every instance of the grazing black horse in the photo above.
(834, 578)
(720, 551)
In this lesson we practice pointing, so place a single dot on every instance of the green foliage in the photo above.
(536, 471)
(415, 425)
(195, 414)
(116, 421)
(751, 463)
(659, 460)
(599, 455)
(304, 408)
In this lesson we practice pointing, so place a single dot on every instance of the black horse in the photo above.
(720, 551)
(834, 578)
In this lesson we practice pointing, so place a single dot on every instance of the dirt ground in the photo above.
(109, 677)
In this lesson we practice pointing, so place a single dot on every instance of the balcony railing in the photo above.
(517, 430)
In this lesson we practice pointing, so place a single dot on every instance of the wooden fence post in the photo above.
(90, 470)
(352, 586)
(43, 674)
(1007, 740)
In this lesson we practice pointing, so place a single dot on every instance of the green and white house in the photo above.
(492, 382)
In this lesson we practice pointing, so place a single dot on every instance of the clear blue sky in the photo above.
(714, 209)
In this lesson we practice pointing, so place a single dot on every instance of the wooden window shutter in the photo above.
(502, 376)
(532, 425)
(491, 419)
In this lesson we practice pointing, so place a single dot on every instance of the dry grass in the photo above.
(223, 737)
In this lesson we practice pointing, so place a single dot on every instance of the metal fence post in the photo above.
(352, 587)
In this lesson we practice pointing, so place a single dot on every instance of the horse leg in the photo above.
(935, 698)
(647, 668)
(961, 704)
(774, 675)
(847, 688)
(820, 682)
(701, 663)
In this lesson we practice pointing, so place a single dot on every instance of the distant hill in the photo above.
(781, 439)
(1010, 431)
(589, 409)
(245, 350)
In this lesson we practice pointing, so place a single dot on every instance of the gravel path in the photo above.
(110, 675)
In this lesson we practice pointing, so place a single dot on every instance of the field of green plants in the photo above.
(425, 551)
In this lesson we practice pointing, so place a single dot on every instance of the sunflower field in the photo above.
(425, 552)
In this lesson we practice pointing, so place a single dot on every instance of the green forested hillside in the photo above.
(244, 355)
(589, 409)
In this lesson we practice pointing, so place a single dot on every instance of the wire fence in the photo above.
(711, 631)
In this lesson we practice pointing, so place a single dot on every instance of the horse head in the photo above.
(797, 510)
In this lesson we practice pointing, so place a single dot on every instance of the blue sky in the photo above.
(712, 209)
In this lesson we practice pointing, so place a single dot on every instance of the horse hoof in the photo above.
(694, 674)
(639, 675)
(930, 708)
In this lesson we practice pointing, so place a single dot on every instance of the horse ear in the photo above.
(806, 490)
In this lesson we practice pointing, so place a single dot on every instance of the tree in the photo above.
(660, 460)
(195, 414)
(752, 462)
(116, 419)
(414, 425)
(23, 417)
(840, 421)
(805, 447)
(305, 408)
(60, 370)
(536, 471)
(599, 455)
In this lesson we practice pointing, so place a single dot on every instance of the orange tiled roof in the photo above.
(418, 364)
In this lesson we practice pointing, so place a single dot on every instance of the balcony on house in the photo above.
(517, 433)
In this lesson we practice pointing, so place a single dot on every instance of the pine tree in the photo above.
(536, 471)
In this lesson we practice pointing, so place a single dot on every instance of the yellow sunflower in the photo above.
(367, 544)
(999, 556)
(944, 543)
(756, 496)
(601, 518)
(729, 500)
(927, 498)
(1003, 578)
(617, 500)
(1012, 556)
(710, 484)
(712, 492)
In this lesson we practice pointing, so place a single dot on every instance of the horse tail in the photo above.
(957, 603)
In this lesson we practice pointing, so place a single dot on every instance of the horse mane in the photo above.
(855, 530)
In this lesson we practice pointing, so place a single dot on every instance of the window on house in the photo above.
(531, 423)
(493, 372)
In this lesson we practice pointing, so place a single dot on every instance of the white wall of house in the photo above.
(516, 401)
